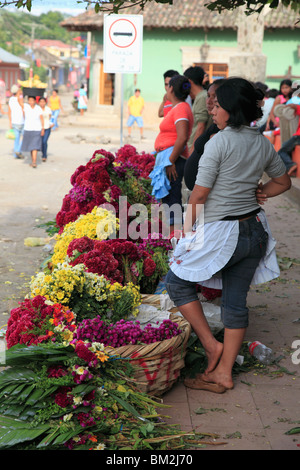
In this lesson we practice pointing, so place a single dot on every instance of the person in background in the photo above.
(16, 118)
(136, 106)
(82, 100)
(198, 95)
(46, 112)
(288, 146)
(191, 166)
(56, 107)
(285, 93)
(233, 226)
(33, 129)
(172, 151)
(266, 109)
(166, 105)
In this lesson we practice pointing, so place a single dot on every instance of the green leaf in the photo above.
(293, 431)
(13, 431)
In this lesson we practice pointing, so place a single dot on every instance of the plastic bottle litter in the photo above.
(261, 352)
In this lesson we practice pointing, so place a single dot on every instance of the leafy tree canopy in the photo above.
(251, 6)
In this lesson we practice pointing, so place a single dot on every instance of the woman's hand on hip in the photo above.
(171, 172)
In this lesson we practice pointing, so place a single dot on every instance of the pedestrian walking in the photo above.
(33, 129)
(56, 107)
(135, 106)
(16, 118)
(82, 100)
(46, 112)
(234, 229)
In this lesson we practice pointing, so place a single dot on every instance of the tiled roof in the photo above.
(188, 14)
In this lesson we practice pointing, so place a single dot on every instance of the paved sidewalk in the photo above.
(262, 407)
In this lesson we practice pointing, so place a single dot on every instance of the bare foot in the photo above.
(219, 377)
(213, 357)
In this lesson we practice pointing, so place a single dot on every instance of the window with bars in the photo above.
(214, 71)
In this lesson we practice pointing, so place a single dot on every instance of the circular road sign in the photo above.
(122, 33)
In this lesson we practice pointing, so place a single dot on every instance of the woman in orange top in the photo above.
(172, 150)
(56, 107)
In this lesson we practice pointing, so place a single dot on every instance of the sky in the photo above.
(70, 7)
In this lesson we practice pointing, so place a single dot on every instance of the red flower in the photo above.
(149, 267)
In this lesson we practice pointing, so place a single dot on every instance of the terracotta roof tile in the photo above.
(188, 14)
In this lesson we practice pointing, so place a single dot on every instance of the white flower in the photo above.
(67, 417)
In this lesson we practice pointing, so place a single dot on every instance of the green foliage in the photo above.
(15, 30)
(220, 5)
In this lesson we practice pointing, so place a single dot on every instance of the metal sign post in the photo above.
(122, 48)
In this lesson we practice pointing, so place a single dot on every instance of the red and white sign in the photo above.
(122, 41)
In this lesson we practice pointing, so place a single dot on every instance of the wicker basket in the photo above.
(157, 365)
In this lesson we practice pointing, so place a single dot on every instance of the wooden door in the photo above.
(106, 83)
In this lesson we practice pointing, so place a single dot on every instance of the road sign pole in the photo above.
(122, 105)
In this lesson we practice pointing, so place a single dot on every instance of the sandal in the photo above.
(199, 384)
(33, 165)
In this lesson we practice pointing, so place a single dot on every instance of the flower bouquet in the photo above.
(70, 390)
(77, 396)
(87, 294)
(103, 180)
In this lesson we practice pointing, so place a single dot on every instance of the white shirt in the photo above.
(47, 115)
(16, 111)
(32, 118)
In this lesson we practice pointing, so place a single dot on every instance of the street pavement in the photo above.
(263, 405)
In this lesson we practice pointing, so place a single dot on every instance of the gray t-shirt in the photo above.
(232, 164)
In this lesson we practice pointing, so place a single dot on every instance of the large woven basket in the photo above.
(157, 366)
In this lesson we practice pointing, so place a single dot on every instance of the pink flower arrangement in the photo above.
(91, 182)
(124, 332)
(143, 162)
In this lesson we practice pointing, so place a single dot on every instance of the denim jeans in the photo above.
(237, 275)
(55, 114)
(18, 129)
(175, 196)
(286, 151)
(45, 142)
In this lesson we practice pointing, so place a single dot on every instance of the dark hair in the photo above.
(287, 82)
(181, 87)
(170, 73)
(196, 74)
(42, 98)
(261, 86)
(137, 89)
(272, 93)
(240, 99)
(217, 82)
(31, 96)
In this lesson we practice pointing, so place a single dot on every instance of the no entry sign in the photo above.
(122, 40)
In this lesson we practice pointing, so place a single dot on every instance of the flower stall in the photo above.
(83, 372)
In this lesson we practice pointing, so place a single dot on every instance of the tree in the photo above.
(115, 6)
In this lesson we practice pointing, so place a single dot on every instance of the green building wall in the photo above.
(162, 51)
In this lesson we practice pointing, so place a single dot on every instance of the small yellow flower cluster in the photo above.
(116, 290)
(66, 280)
(60, 284)
(98, 224)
